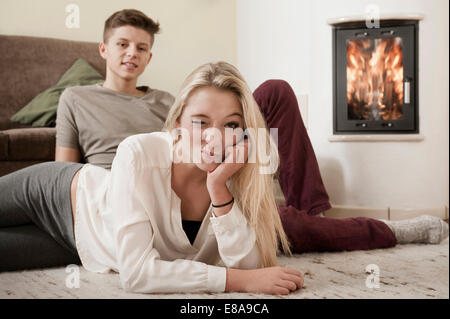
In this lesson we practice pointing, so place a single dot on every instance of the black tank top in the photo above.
(191, 228)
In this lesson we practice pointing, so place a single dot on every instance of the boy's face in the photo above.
(127, 52)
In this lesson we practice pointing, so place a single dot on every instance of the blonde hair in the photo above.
(253, 191)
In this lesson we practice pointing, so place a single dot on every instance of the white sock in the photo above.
(423, 229)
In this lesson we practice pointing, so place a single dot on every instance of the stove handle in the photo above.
(406, 91)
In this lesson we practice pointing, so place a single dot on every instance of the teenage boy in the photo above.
(92, 120)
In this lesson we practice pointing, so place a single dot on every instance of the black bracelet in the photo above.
(223, 205)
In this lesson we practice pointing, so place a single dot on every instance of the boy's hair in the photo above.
(133, 18)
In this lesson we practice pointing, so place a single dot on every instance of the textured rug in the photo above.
(405, 271)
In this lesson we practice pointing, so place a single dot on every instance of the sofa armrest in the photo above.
(25, 144)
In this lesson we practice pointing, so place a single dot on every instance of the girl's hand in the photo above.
(271, 280)
(235, 158)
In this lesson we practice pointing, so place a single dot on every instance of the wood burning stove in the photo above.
(375, 78)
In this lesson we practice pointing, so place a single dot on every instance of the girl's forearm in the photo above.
(219, 195)
(235, 280)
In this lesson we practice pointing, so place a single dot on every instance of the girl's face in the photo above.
(206, 116)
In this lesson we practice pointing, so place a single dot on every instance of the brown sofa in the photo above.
(30, 65)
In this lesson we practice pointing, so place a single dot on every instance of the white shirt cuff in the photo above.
(217, 277)
(229, 221)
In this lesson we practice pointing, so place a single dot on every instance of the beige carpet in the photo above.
(405, 271)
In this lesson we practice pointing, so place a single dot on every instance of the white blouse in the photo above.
(128, 220)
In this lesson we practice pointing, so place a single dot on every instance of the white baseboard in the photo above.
(399, 213)
(339, 211)
(388, 213)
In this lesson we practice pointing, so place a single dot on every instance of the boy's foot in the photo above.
(423, 229)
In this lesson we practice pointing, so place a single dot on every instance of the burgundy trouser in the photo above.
(302, 185)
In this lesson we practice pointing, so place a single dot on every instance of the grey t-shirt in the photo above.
(95, 119)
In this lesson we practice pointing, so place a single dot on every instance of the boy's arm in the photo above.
(67, 147)
(67, 154)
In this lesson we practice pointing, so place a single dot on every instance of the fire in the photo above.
(375, 79)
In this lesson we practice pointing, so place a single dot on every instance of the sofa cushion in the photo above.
(41, 111)
(30, 65)
(3, 146)
(29, 144)
(6, 123)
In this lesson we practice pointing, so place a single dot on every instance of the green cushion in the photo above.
(41, 111)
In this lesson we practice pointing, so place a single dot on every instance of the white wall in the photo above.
(290, 39)
(193, 32)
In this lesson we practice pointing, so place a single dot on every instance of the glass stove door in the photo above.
(375, 80)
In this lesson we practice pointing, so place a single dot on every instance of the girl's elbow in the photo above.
(127, 283)
(130, 282)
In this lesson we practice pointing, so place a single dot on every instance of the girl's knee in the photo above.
(277, 86)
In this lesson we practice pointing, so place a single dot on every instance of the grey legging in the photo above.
(36, 225)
